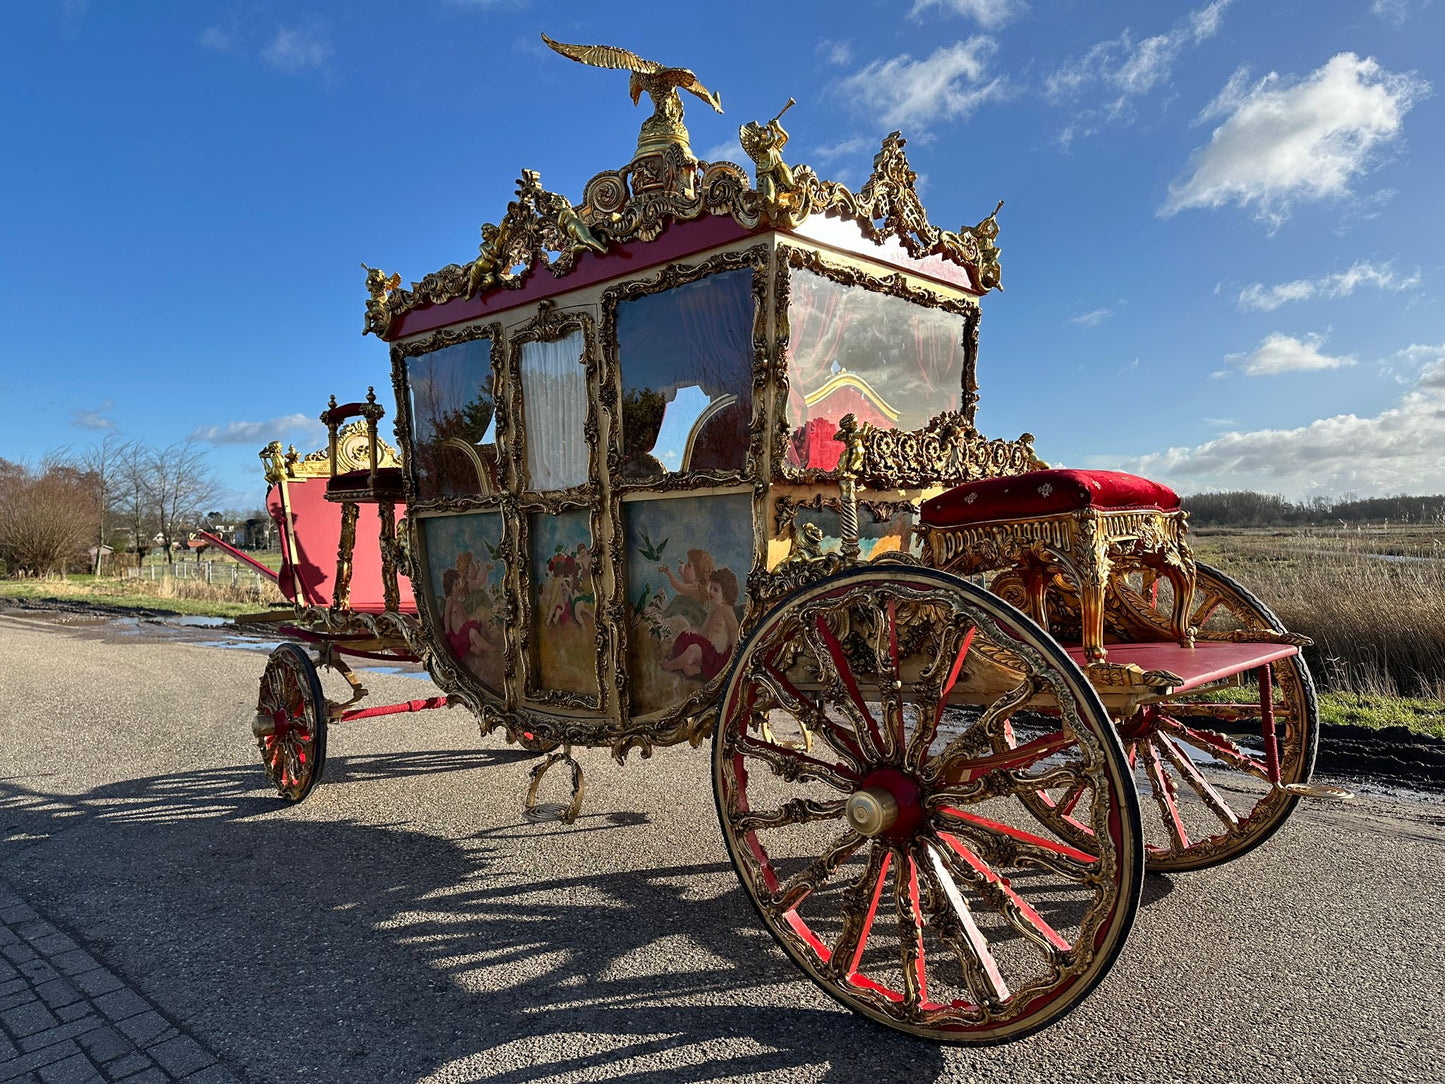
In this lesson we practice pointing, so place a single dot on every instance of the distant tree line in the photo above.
(1245, 508)
(123, 494)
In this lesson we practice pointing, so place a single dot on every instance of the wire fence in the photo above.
(218, 573)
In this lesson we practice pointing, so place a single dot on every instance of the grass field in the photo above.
(164, 595)
(1372, 600)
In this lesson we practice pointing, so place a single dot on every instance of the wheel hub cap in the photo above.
(871, 811)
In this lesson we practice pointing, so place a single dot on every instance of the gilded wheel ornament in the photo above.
(290, 723)
(893, 861)
(1208, 787)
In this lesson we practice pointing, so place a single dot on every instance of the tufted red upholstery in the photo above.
(1045, 493)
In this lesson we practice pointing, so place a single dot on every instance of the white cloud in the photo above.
(1093, 318)
(729, 150)
(1261, 298)
(1124, 70)
(835, 52)
(1401, 449)
(1283, 141)
(844, 148)
(952, 83)
(1280, 353)
(293, 426)
(989, 14)
(292, 50)
(1397, 11)
(93, 419)
(219, 39)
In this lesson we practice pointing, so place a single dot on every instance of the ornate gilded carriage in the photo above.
(696, 456)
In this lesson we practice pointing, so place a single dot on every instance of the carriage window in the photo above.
(451, 404)
(686, 357)
(892, 363)
(554, 401)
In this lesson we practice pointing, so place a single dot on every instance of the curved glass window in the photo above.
(687, 375)
(893, 363)
(454, 438)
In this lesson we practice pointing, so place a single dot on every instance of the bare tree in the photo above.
(104, 462)
(46, 514)
(182, 486)
(133, 496)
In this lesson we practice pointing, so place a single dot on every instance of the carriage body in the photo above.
(591, 455)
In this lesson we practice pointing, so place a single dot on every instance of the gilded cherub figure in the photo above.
(486, 270)
(378, 289)
(778, 187)
(989, 272)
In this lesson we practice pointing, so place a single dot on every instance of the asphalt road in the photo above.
(405, 923)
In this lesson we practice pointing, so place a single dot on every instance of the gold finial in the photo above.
(660, 83)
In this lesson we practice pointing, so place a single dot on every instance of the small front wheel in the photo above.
(290, 724)
(884, 841)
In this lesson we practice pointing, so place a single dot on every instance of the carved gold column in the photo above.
(386, 512)
(341, 595)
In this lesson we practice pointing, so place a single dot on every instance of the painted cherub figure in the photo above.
(704, 651)
(466, 635)
(689, 586)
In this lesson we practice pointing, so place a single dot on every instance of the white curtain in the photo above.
(554, 399)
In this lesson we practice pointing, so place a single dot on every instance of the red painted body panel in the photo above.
(308, 575)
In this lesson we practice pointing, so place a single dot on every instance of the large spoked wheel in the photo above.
(290, 722)
(1218, 789)
(880, 835)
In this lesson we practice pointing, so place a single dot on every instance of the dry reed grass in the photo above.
(1378, 625)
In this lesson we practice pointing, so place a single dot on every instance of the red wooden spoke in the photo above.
(848, 952)
(1185, 767)
(928, 723)
(817, 872)
(1017, 759)
(1027, 843)
(1066, 804)
(1216, 745)
(803, 930)
(974, 953)
(849, 683)
(841, 739)
(1032, 925)
(910, 932)
(738, 800)
(1163, 786)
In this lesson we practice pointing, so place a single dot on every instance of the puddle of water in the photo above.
(267, 646)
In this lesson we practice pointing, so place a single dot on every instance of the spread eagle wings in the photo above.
(610, 56)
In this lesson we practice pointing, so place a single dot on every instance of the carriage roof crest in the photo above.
(664, 182)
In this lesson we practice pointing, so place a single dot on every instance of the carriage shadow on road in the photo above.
(398, 954)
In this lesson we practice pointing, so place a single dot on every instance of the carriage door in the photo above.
(688, 449)
(563, 654)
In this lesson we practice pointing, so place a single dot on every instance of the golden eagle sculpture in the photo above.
(660, 83)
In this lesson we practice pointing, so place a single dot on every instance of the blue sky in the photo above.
(1222, 243)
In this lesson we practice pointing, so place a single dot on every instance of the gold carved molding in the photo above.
(542, 229)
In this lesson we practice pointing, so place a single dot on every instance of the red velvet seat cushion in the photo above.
(1045, 493)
